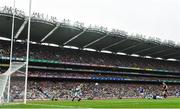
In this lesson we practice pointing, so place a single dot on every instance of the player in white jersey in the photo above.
(77, 92)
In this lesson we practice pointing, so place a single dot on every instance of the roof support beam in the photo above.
(158, 52)
(131, 47)
(143, 50)
(52, 31)
(95, 40)
(169, 54)
(76, 36)
(21, 29)
(121, 41)
(175, 57)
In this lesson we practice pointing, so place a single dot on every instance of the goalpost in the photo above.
(13, 82)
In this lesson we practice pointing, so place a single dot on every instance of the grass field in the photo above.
(91, 104)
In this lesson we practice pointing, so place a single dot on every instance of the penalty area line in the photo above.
(6, 104)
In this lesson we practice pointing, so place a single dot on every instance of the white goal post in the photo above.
(14, 80)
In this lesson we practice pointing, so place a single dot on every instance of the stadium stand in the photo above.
(80, 56)
(55, 70)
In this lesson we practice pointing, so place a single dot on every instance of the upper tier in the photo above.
(64, 33)
(86, 57)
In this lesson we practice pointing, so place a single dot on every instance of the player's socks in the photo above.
(165, 96)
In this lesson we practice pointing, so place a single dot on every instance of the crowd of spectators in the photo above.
(86, 57)
(47, 89)
(63, 90)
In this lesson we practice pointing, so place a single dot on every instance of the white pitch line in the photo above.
(4, 104)
(55, 106)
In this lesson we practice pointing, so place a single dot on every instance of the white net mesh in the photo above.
(12, 83)
(3, 81)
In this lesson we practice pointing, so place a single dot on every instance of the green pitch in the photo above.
(124, 103)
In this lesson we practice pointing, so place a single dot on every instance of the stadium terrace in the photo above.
(92, 65)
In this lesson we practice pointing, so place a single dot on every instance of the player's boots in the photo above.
(73, 99)
(79, 99)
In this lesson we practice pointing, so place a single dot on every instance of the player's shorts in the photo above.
(142, 94)
(159, 97)
(165, 92)
(77, 95)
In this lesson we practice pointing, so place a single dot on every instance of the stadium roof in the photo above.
(49, 30)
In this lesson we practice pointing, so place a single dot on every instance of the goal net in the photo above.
(12, 83)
